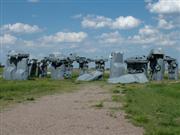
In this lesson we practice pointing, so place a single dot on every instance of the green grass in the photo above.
(20, 91)
(100, 104)
(1, 70)
(12, 92)
(154, 106)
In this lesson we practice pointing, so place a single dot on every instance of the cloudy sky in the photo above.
(90, 27)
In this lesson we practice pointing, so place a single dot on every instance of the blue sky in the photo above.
(90, 27)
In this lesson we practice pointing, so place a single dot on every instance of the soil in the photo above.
(68, 114)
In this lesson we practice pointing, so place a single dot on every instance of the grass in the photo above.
(12, 92)
(20, 91)
(100, 104)
(1, 70)
(154, 106)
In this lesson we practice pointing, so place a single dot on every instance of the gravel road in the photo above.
(67, 114)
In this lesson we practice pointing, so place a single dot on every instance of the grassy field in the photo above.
(21, 91)
(154, 106)
(1, 71)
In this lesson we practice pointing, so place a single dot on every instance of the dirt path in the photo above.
(67, 114)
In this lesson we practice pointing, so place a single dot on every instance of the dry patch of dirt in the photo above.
(68, 114)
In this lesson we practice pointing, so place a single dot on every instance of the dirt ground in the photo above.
(67, 114)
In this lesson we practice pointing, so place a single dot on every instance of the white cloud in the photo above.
(163, 24)
(92, 21)
(60, 37)
(148, 35)
(165, 6)
(110, 38)
(7, 39)
(148, 30)
(121, 22)
(33, 1)
(125, 22)
(151, 35)
(20, 28)
(47, 41)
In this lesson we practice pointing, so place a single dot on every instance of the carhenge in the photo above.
(137, 69)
